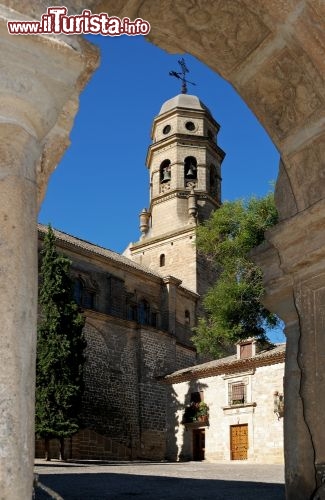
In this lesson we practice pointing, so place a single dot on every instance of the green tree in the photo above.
(233, 305)
(60, 350)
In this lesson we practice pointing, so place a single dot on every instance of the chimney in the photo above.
(246, 348)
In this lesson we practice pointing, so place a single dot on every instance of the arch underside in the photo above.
(273, 55)
(272, 52)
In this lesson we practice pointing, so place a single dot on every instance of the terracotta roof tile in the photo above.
(73, 241)
(228, 364)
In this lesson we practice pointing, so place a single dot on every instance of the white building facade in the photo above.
(243, 402)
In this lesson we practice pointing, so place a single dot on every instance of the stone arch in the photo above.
(273, 55)
(162, 260)
(164, 171)
(190, 168)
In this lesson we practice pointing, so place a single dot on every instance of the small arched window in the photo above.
(162, 260)
(82, 296)
(187, 317)
(190, 168)
(165, 171)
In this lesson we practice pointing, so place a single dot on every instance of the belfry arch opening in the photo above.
(190, 168)
(165, 171)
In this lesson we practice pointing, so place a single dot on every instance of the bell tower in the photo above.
(184, 163)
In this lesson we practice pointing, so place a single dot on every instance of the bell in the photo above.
(166, 176)
(190, 173)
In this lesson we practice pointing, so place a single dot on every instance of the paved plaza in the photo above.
(160, 481)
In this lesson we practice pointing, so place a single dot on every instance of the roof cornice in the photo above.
(185, 140)
(230, 367)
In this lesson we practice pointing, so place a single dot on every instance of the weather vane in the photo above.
(181, 75)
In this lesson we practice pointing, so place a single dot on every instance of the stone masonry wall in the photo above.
(110, 417)
(180, 258)
(169, 214)
(124, 405)
(157, 357)
(184, 357)
(110, 397)
(206, 277)
(268, 433)
(88, 444)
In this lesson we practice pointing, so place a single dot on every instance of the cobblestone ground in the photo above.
(160, 481)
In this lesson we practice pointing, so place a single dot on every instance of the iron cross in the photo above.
(181, 75)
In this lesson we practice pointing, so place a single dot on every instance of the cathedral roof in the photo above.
(183, 101)
(77, 243)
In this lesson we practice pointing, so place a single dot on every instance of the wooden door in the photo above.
(238, 442)
(198, 444)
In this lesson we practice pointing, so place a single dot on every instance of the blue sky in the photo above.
(101, 184)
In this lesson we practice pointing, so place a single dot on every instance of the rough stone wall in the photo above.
(110, 397)
(124, 414)
(169, 214)
(265, 430)
(184, 357)
(88, 444)
(124, 405)
(110, 416)
(180, 257)
(182, 260)
(206, 276)
(185, 303)
(177, 122)
(157, 357)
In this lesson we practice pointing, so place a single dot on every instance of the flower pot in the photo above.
(203, 418)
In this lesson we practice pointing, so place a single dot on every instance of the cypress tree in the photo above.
(60, 350)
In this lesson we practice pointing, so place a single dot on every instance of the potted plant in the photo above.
(202, 412)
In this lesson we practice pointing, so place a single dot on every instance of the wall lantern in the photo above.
(278, 402)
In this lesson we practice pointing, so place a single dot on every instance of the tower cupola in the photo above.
(184, 156)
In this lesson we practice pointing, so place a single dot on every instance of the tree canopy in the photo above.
(233, 305)
(60, 348)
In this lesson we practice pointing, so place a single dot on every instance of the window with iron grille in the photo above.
(236, 393)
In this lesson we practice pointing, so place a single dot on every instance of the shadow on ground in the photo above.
(92, 463)
(112, 486)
